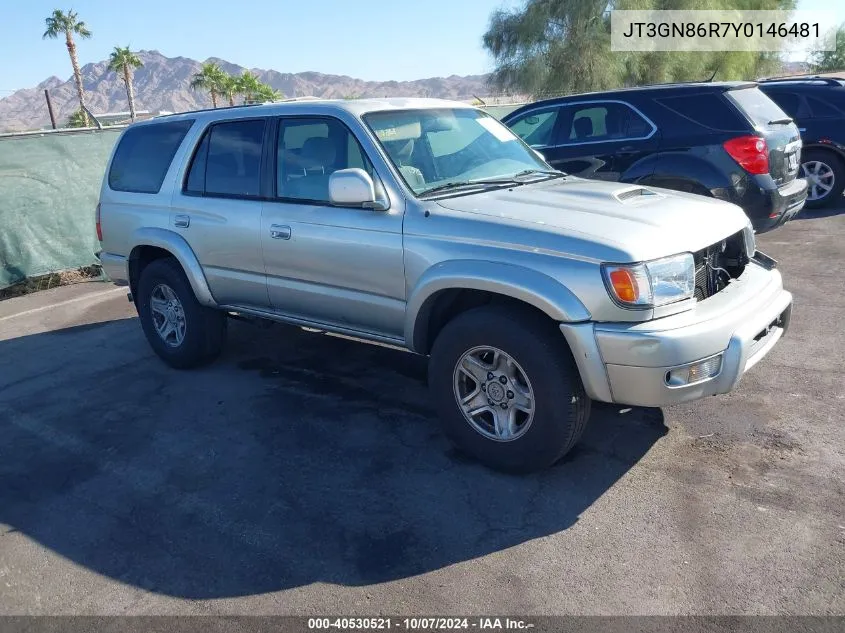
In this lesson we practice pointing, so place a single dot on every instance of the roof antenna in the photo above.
(713, 75)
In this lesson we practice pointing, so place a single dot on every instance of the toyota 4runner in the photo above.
(429, 225)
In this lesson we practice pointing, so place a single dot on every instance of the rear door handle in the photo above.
(279, 232)
(182, 221)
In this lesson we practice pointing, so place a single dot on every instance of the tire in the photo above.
(827, 165)
(204, 330)
(561, 407)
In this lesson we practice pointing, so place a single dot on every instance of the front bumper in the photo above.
(630, 363)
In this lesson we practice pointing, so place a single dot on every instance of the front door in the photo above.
(603, 140)
(326, 264)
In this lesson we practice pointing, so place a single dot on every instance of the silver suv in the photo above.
(429, 225)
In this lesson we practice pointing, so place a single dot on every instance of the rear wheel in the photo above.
(181, 331)
(507, 389)
(825, 174)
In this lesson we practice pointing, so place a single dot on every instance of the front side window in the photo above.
(309, 151)
(431, 148)
(228, 160)
(536, 128)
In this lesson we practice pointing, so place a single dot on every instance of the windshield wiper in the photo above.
(552, 173)
(508, 180)
(782, 121)
(460, 184)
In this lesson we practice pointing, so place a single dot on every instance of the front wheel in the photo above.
(825, 174)
(507, 388)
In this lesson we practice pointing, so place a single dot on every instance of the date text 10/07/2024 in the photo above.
(419, 624)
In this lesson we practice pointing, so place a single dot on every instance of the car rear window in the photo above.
(756, 106)
(709, 110)
(143, 156)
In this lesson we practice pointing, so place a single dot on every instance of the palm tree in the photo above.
(267, 93)
(67, 24)
(248, 85)
(211, 78)
(122, 60)
(230, 87)
(77, 119)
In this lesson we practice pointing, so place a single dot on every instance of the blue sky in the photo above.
(368, 39)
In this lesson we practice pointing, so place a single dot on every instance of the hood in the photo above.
(642, 222)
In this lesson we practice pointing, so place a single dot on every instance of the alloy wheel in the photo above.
(494, 393)
(168, 315)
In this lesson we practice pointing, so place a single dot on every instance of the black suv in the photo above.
(726, 140)
(817, 104)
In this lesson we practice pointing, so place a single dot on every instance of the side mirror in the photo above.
(353, 187)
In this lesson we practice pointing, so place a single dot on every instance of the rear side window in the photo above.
(228, 160)
(143, 156)
(756, 106)
(822, 109)
(709, 110)
(603, 122)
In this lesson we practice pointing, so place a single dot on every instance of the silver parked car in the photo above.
(428, 224)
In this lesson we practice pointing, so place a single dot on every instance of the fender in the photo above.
(831, 146)
(640, 170)
(523, 284)
(685, 171)
(179, 248)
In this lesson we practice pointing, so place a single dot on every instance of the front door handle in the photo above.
(182, 221)
(279, 232)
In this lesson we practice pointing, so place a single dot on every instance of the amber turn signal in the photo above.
(624, 285)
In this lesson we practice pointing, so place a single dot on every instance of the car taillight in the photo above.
(751, 152)
(99, 226)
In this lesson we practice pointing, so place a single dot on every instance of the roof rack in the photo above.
(241, 105)
(824, 81)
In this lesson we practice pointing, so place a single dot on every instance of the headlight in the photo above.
(653, 283)
(750, 240)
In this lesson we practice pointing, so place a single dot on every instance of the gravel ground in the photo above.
(304, 474)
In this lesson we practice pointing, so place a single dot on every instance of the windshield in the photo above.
(435, 147)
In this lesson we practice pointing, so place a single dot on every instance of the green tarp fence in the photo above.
(49, 185)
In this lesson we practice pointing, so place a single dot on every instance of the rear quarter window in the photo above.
(143, 156)
(709, 110)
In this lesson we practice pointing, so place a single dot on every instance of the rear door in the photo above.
(776, 127)
(601, 139)
(217, 210)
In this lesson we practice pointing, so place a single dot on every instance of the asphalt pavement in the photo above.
(305, 474)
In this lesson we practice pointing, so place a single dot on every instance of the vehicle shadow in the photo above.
(825, 212)
(296, 458)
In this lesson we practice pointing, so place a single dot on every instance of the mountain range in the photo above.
(163, 84)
